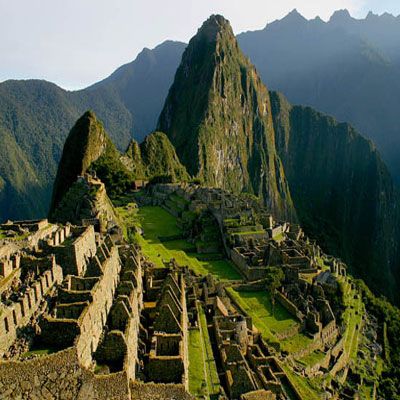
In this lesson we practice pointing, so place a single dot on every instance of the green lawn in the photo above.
(302, 385)
(197, 379)
(313, 358)
(210, 366)
(38, 352)
(248, 233)
(157, 222)
(295, 343)
(203, 375)
(353, 317)
(258, 305)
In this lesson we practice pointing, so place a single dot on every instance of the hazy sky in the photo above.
(77, 42)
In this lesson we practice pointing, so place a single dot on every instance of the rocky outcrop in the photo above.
(89, 148)
(218, 117)
(86, 142)
(86, 199)
(155, 156)
(342, 190)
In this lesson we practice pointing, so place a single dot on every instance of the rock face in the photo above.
(218, 117)
(155, 156)
(86, 142)
(343, 193)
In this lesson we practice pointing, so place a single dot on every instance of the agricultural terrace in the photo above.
(268, 320)
(203, 375)
(163, 240)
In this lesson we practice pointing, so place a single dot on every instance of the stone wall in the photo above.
(92, 319)
(150, 391)
(19, 313)
(59, 376)
(74, 254)
(251, 273)
(290, 307)
(83, 248)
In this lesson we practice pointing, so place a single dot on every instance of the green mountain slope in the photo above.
(18, 181)
(88, 148)
(39, 115)
(343, 192)
(218, 117)
(159, 158)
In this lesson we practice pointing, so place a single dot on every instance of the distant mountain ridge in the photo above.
(345, 67)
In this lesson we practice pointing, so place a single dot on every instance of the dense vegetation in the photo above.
(218, 117)
(155, 158)
(86, 142)
(342, 191)
(389, 320)
(36, 116)
(346, 67)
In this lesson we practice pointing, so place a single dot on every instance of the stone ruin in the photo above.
(165, 353)
(113, 326)
(254, 241)
(77, 296)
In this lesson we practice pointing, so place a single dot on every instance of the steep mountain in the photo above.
(37, 116)
(18, 181)
(157, 157)
(342, 190)
(89, 148)
(345, 67)
(218, 117)
(143, 84)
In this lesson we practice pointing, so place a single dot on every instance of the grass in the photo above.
(295, 343)
(258, 305)
(246, 233)
(279, 237)
(203, 375)
(353, 319)
(38, 352)
(313, 358)
(210, 366)
(17, 237)
(302, 385)
(197, 379)
(157, 222)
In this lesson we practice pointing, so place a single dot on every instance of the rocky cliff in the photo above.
(218, 117)
(342, 190)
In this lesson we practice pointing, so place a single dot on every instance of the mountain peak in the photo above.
(85, 143)
(214, 25)
(341, 16)
(294, 16)
(218, 117)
